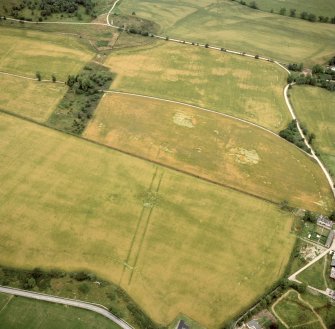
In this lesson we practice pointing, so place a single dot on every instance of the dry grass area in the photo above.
(212, 146)
(175, 243)
(26, 51)
(28, 98)
(240, 86)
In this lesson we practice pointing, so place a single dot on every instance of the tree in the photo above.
(293, 12)
(309, 217)
(38, 76)
(206, 45)
(311, 18)
(332, 215)
(31, 283)
(304, 15)
(282, 11)
(253, 5)
(53, 78)
(317, 69)
(84, 288)
(302, 288)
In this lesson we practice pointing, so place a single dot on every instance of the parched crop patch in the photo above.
(210, 146)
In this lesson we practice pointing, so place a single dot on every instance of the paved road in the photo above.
(65, 301)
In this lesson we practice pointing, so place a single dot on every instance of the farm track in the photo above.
(262, 58)
(66, 301)
(101, 309)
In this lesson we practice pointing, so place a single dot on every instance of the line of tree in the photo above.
(322, 80)
(293, 13)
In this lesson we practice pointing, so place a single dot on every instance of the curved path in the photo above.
(110, 11)
(66, 301)
(324, 169)
(201, 109)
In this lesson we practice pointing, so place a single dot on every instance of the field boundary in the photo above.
(164, 165)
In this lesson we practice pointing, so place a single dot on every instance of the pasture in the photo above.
(240, 86)
(25, 52)
(315, 109)
(295, 312)
(321, 7)
(31, 99)
(23, 313)
(212, 146)
(227, 24)
(70, 204)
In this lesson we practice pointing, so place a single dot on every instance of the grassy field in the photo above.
(314, 276)
(218, 148)
(230, 25)
(23, 313)
(295, 312)
(321, 7)
(25, 52)
(150, 245)
(315, 108)
(317, 275)
(28, 98)
(322, 306)
(239, 86)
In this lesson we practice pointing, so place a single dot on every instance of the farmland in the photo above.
(239, 86)
(37, 314)
(88, 226)
(154, 181)
(315, 108)
(228, 24)
(29, 98)
(25, 52)
(218, 148)
(321, 7)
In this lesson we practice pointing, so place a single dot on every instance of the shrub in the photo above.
(84, 288)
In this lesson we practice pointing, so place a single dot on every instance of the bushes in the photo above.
(291, 134)
(295, 67)
(78, 105)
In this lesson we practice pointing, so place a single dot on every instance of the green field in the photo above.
(28, 98)
(117, 210)
(317, 275)
(295, 312)
(25, 52)
(23, 313)
(219, 148)
(323, 307)
(315, 108)
(240, 86)
(228, 24)
(318, 7)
